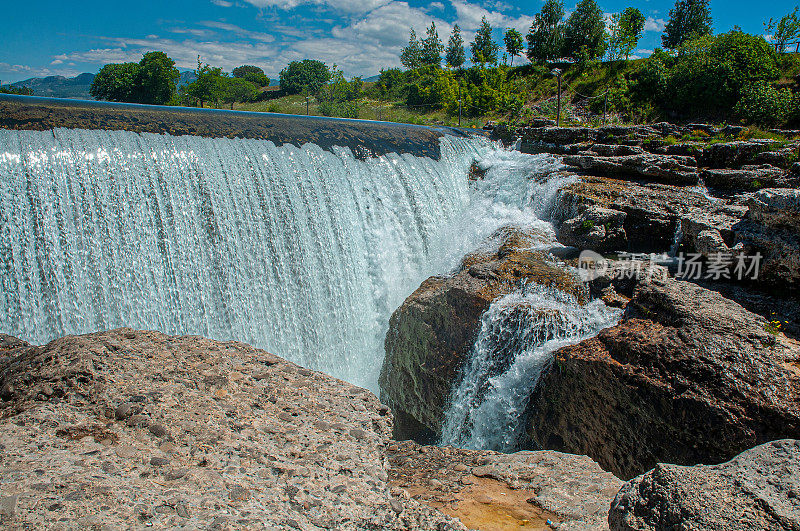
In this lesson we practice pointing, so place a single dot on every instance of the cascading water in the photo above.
(518, 335)
(519, 332)
(300, 251)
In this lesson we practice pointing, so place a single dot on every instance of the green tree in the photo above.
(431, 47)
(338, 97)
(116, 82)
(251, 73)
(454, 55)
(211, 85)
(546, 36)
(484, 49)
(688, 20)
(625, 32)
(784, 30)
(585, 32)
(157, 79)
(411, 56)
(513, 41)
(238, 89)
(305, 76)
(152, 80)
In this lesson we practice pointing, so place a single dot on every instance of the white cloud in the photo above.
(359, 45)
(654, 24)
(346, 6)
(222, 3)
(389, 25)
(224, 26)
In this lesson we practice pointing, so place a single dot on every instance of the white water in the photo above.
(302, 252)
(519, 332)
(518, 335)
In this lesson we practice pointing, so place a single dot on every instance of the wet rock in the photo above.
(431, 334)
(758, 489)
(687, 377)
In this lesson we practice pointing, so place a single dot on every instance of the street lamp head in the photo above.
(556, 72)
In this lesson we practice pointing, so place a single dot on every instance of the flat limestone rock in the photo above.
(130, 429)
(758, 489)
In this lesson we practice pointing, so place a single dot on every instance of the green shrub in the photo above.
(707, 77)
(763, 104)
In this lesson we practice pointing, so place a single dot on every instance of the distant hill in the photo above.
(75, 88)
(59, 86)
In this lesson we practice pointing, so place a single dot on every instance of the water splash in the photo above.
(300, 251)
(518, 335)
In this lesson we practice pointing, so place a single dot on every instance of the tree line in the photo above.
(155, 80)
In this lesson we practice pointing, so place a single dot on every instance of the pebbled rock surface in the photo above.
(668, 169)
(596, 228)
(133, 429)
(522, 490)
(687, 377)
(758, 489)
(431, 334)
(652, 211)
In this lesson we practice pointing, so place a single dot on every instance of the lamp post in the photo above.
(557, 72)
(459, 103)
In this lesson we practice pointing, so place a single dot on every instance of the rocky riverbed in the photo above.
(693, 396)
(699, 369)
(135, 429)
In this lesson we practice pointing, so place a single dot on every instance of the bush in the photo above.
(763, 104)
(707, 77)
(341, 109)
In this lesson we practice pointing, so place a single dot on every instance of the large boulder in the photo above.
(748, 178)
(739, 153)
(653, 211)
(687, 377)
(772, 230)
(130, 429)
(776, 208)
(758, 489)
(433, 331)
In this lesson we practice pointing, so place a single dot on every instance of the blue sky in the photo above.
(54, 37)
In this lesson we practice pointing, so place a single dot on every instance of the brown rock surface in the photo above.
(652, 211)
(687, 377)
(493, 491)
(758, 489)
(668, 169)
(133, 429)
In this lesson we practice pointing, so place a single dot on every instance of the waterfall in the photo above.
(518, 335)
(520, 331)
(300, 251)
